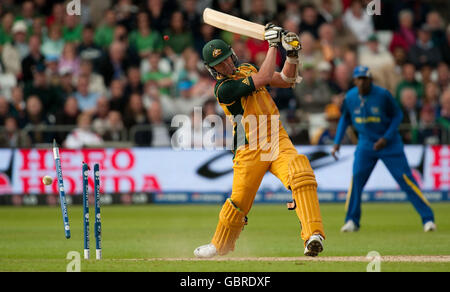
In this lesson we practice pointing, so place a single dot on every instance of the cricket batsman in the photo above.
(241, 92)
(376, 117)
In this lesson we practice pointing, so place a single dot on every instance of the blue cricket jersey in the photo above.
(374, 116)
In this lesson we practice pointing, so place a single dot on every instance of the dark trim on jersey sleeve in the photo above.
(231, 90)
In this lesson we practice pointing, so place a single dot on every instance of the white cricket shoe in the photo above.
(314, 245)
(349, 226)
(429, 226)
(205, 251)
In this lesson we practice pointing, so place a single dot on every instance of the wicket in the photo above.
(62, 194)
(86, 209)
(97, 223)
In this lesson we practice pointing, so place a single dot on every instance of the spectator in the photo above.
(427, 131)
(325, 74)
(100, 118)
(424, 52)
(444, 119)
(329, 9)
(11, 136)
(240, 49)
(52, 75)
(405, 36)
(436, 25)
(206, 33)
(88, 50)
(186, 102)
(96, 82)
(193, 18)
(125, 13)
(445, 47)
(115, 64)
(48, 95)
(57, 16)
(69, 59)
(310, 54)
(7, 81)
(327, 41)
(443, 78)
(159, 12)
(27, 13)
(66, 83)
(6, 35)
(152, 94)
(34, 57)
(160, 136)
(134, 84)
(83, 136)
(72, 29)
(408, 98)
(377, 59)
(311, 20)
(36, 120)
(67, 117)
(409, 80)
(342, 78)
(17, 105)
(86, 99)
(4, 110)
(145, 39)
(431, 97)
(69, 114)
(325, 136)
(312, 93)
(259, 13)
(117, 98)
(54, 44)
(38, 27)
(134, 112)
(104, 34)
(114, 127)
(358, 21)
(345, 38)
(13, 53)
(179, 37)
(158, 74)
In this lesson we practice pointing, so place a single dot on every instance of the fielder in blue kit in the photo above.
(376, 117)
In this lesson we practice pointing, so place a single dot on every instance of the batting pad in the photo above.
(231, 223)
(304, 191)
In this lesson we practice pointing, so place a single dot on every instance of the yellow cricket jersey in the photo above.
(252, 111)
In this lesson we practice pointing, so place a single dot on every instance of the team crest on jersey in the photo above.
(375, 110)
(216, 53)
(357, 111)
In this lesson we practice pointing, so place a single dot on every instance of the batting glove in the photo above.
(273, 34)
(291, 43)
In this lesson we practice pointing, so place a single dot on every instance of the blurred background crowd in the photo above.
(109, 76)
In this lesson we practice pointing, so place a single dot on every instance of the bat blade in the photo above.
(233, 24)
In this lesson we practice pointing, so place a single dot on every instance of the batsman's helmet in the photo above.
(215, 52)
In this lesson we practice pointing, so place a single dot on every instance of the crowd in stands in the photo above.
(112, 74)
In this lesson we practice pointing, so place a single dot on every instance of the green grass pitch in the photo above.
(32, 238)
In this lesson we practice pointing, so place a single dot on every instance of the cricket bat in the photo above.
(235, 24)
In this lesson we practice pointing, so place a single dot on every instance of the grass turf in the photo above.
(32, 238)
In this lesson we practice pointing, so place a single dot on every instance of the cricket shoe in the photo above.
(314, 245)
(349, 226)
(429, 226)
(205, 251)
